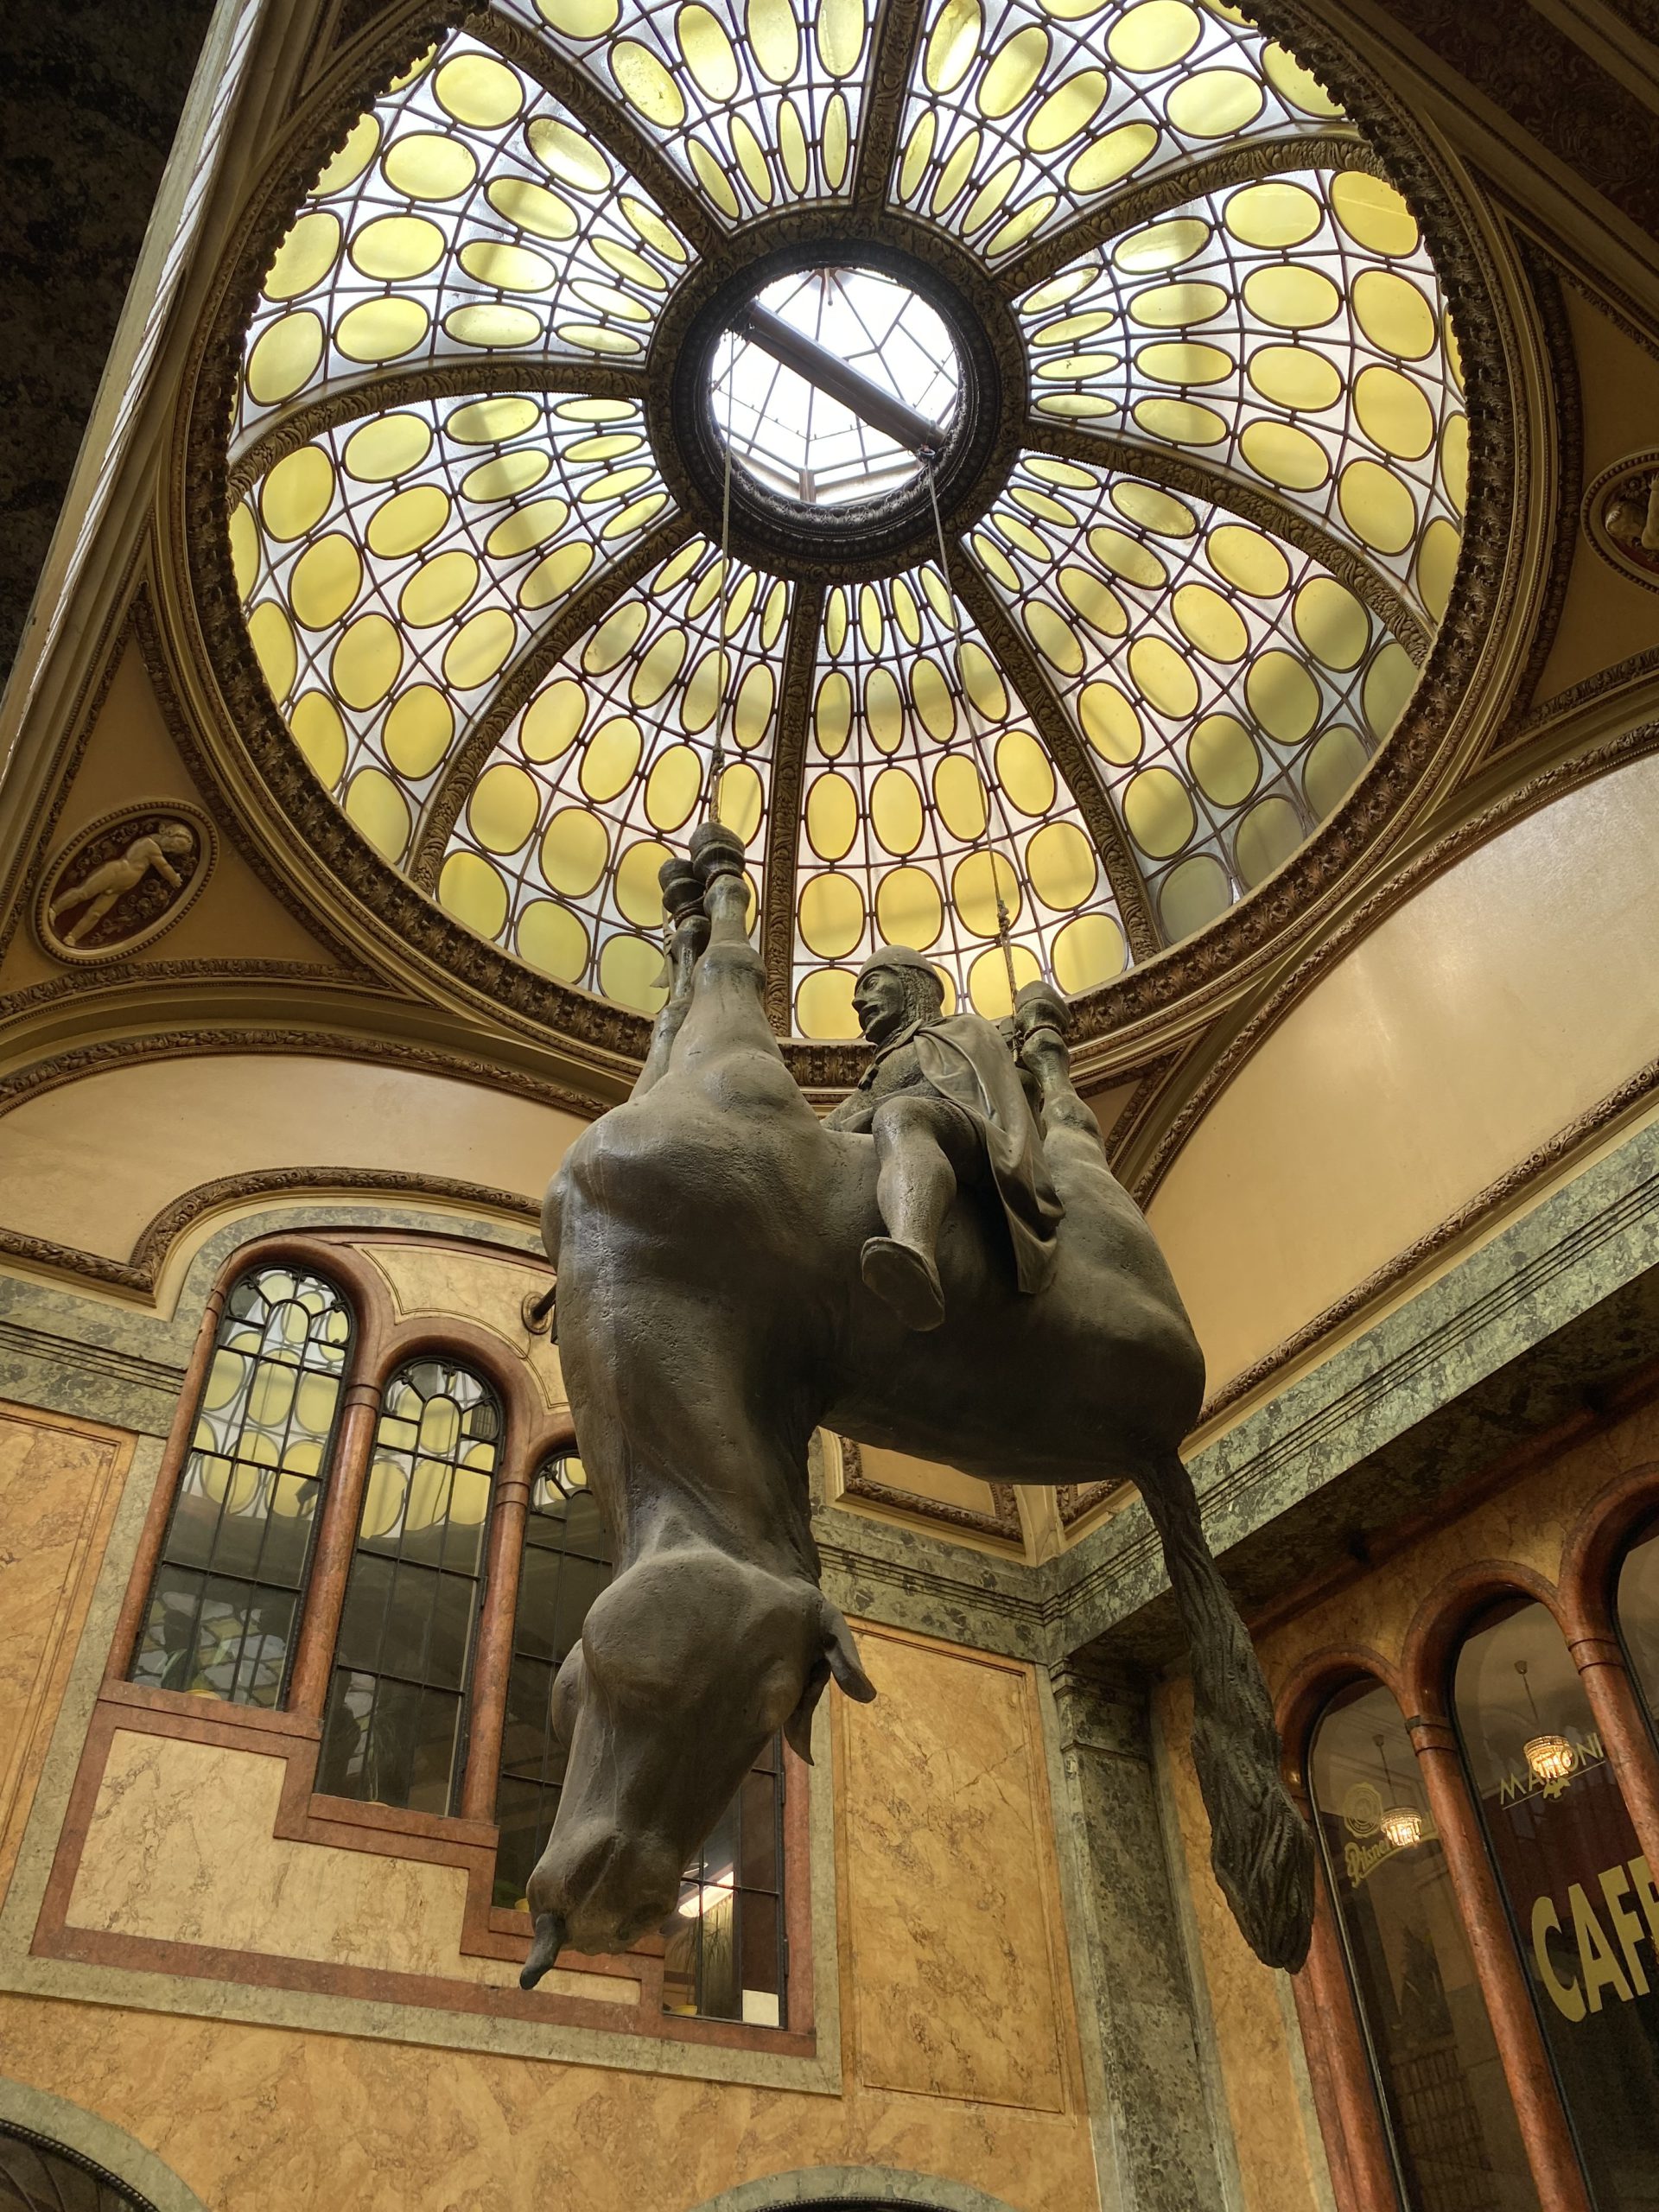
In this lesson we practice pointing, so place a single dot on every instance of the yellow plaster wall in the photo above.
(924, 1478)
(90, 1163)
(1510, 995)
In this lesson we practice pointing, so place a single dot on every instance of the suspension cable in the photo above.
(717, 760)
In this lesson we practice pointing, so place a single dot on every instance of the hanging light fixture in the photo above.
(1550, 1758)
(1401, 1825)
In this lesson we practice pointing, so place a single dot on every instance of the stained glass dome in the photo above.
(1009, 457)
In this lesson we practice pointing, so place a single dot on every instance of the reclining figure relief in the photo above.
(945, 1267)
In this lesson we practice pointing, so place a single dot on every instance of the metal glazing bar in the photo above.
(831, 374)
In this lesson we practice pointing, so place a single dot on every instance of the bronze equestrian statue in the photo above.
(735, 1273)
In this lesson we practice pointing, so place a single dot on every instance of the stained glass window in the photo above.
(727, 1955)
(1163, 640)
(226, 1601)
(394, 1731)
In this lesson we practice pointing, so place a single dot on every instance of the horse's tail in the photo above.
(1260, 1846)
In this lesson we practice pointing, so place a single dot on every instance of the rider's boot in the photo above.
(905, 1278)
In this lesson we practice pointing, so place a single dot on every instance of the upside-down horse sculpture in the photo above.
(947, 1267)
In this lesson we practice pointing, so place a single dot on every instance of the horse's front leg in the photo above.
(1260, 1846)
(728, 1017)
(683, 904)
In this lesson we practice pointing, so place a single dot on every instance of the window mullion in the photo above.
(1617, 1710)
(493, 1649)
(336, 1541)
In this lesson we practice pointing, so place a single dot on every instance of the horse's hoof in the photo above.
(716, 851)
(548, 1943)
(1040, 1006)
(682, 889)
(904, 1278)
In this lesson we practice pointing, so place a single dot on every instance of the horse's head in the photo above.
(687, 1663)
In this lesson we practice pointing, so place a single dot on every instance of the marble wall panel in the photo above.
(440, 1280)
(950, 1881)
(59, 1484)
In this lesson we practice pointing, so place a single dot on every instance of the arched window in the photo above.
(1447, 2114)
(394, 1728)
(225, 1600)
(1635, 1609)
(566, 1563)
(37, 2175)
(1581, 1896)
(726, 1945)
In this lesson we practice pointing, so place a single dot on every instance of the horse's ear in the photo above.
(845, 1663)
(839, 1659)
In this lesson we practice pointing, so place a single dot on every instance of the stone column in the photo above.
(1154, 2138)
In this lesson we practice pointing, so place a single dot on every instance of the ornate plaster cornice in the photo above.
(898, 27)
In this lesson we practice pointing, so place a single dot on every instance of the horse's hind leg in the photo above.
(728, 1009)
(683, 904)
(1260, 1847)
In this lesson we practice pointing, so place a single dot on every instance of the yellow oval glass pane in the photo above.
(1062, 867)
(298, 493)
(348, 164)
(909, 909)
(553, 576)
(1389, 681)
(930, 692)
(380, 811)
(703, 692)
(1296, 85)
(1373, 213)
(646, 85)
(1437, 564)
(1393, 412)
(1089, 595)
(1024, 773)
(870, 619)
(1087, 952)
(471, 889)
(832, 715)
(285, 357)
(831, 913)
(918, 152)
(1377, 507)
(1014, 68)
(380, 330)
(630, 972)
(1161, 245)
(551, 937)
(960, 795)
(1275, 214)
(1182, 362)
(1283, 695)
(988, 980)
(1067, 112)
(792, 146)
(609, 760)
(954, 174)
(1164, 677)
(1159, 812)
(477, 89)
(638, 891)
(491, 323)
(1334, 766)
(305, 256)
(742, 798)
(673, 787)
(1215, 103)
(1295, 377)
(366, 661)
(896, 810)
(1183, 421)
(1266, 837)
(1249, 559)
(1192, 894)
(656, 667)
(1153, 35)
(774, 39)
(981, 680)
(439, 588)
(320, 736)
(752, 160)
(905, 613)
(327, 578)
(1111, 158)
(418, 730)
(479, 648)
(407, 521)
(507, 475)
(707, 52)
(552, 720)
(532, 207)
(575, 846)
(1127, 556)
(712, 177)
(823, 1005)
(1211, 624)
(840, 37)
(1172, 306)
(975, 885)
(580, 19)
(752, 709)
(507, 268)
(884, 710)
(1455, 461)
(426, 165)
(1331, 623)
(832, 815)
(1285, 454)
(1110, 723)
(388, 447)
(990, 196)
(1292, 298)
(526, 527)
(567, 156)
(1224, 761)
(996, 560)
(952, 45)
(1394, 314)
(615, 637)
(244, 546)
(1053, 636)
(502, 810)
(1153, 510)
(397, 246)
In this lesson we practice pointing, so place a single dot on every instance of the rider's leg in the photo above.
(915, 1184)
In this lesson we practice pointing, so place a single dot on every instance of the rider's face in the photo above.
(879, 1003)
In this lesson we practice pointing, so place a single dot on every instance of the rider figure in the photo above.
(944, 1099)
